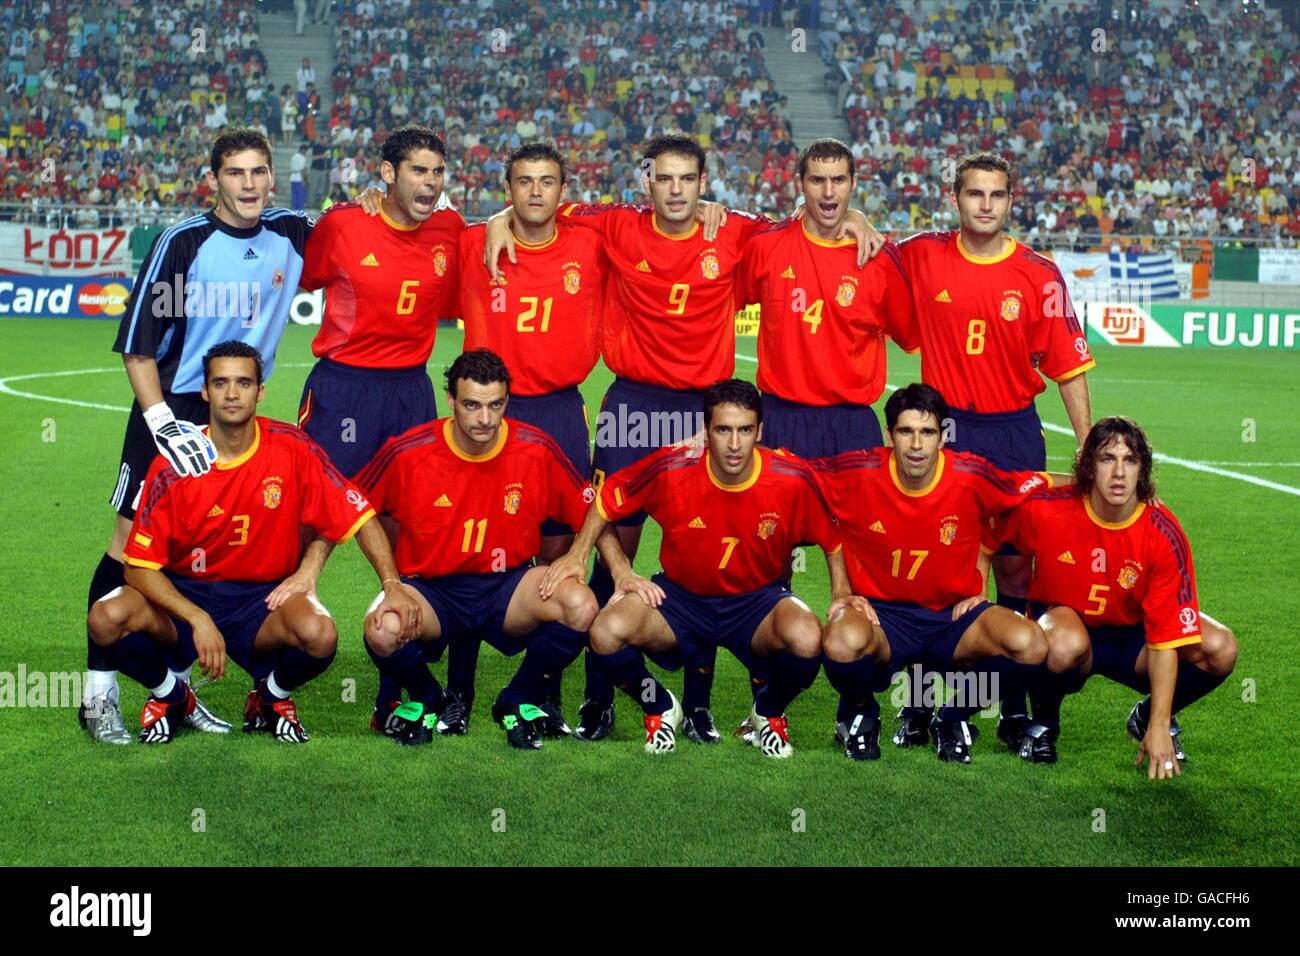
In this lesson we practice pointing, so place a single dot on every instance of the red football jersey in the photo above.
(670, 307)
(723, 539)
(240, 521)
(920, 547)
(462, 514)
(1138, 570)
(543, 316)
(385, 285)
(989, 325)
(821, 335)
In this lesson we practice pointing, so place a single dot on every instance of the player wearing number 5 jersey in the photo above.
(910, 518)
(387, 281)
(1115, 592)
(994, 317)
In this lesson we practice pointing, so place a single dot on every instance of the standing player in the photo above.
(230, 273)
(911, 517)
(207, 555)
(469, 494)
(387, 281)
(542, 316)
(668, 333)
(729, 520)
(1115, 592)
(994, 317)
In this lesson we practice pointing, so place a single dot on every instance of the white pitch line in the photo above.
(1201, 466)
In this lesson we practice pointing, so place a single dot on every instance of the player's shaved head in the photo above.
(405, 140)
(1106, 436)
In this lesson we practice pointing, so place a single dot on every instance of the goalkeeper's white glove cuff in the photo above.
(156, 416)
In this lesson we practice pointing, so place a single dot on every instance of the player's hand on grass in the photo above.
(562, 569)
(497, 237)
(712, 216)
(632, 583)
(870, 240)
(189, 451)
(961, 607)
(300, 582)
(371, 199)
(854, 602)
(211, 648)
(401, 602)
(1158, 747)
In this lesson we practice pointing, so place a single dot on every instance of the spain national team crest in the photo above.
(709, 266)
(277, 279)
(844, 294)
(1128, 576)
(767, 524)
(514, 494)
(1010, 308)
(948, 530)
(572, 281)
(440, 260)
(271, 496)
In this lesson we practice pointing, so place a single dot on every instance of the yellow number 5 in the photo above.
(1097, 594)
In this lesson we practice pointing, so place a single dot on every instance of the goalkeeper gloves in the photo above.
(187, 450)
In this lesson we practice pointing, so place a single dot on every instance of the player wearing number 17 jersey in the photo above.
(469, 494)
(910, 517)
(1115, 592)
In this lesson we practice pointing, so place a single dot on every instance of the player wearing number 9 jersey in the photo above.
(387, 281)
(1115, 592)
(910, 518)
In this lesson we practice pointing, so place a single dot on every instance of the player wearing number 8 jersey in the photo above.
(1115, 592)
(993, 318)
(911, 517)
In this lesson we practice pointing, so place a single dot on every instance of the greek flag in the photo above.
(1148, 276)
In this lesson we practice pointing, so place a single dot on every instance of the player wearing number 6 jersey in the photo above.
(729, 519)
(994, 317)
(1115, 592)
(911, 517)
(206, 558)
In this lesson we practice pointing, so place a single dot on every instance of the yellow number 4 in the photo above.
(813, 316)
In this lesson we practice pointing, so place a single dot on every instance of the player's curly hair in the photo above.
(540, 150)
(481, 365)
(917, 397)
(989, 162)
(675, 144)
(733, 391)
(1100, 437)
(233, 349)
(826, 150)
(235, 141)
(405, 140)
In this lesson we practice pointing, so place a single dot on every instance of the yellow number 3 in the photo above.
(241, 530)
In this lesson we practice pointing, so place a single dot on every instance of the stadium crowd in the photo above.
(1161, 125)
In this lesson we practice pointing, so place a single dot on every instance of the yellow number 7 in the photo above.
(726, 555)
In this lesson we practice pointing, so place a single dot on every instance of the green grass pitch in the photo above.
(351, 797)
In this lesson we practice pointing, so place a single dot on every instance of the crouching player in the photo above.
(206, 557)
(729, 519)
(1114, 591)
(910, 517)
(469, 494)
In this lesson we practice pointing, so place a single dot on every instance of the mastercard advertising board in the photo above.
(50, 297)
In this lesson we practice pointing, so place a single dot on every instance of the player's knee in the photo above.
(105, 622)
(579, 605)
(1220, 649)
(317, 636)
(846, 640)
(1025, 642)
(802, 636)
(381, 634)
(1066, 649)
(606, 633)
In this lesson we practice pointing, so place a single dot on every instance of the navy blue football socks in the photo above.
(626, 670)
(853, 682)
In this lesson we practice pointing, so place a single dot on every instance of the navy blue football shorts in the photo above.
(350, 412)
(819, 431)
(562, 415)
(1012, 441)
(918, 635)
(726, 621)
(471, 604)
(237, 608)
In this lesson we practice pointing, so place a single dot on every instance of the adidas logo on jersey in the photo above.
(943, 296)
(442, 502)
(250, 254)
(696, 522)
(643, 266)
(1065, 557)
(370, 260)
(877, 527)
(216, 512)
(788, 273)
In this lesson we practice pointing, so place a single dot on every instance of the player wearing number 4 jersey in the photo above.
(1115, 592)
(206, 557)
(729, 519)
(910, 518)
(469, 494)
(994, 317)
